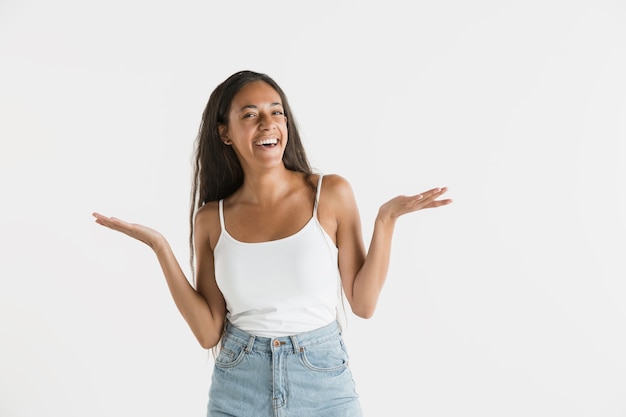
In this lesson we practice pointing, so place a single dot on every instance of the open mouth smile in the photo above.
(267, 143)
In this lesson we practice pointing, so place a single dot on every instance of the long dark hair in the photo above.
(217, 172)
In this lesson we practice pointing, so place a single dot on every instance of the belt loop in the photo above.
(250, 344)
(294, 343)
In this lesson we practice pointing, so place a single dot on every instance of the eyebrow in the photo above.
(252, 106)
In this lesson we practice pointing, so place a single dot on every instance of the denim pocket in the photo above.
(327, 356)
(231, 353)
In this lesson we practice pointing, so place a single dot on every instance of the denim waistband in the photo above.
(295, 342)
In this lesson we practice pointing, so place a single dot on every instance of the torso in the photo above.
(251, 223)
(277, 282)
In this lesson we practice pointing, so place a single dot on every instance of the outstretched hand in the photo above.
(400, 205)
(142, 233)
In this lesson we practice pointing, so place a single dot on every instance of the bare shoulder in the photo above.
(337, 194)
(207, 211)
(207, 223)
(336, 186)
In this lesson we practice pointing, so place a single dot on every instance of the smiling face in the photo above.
(257, 126)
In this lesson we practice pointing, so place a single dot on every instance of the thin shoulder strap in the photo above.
(221, 211)
(317, 195)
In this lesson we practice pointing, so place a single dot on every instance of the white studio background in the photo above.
(509, 302)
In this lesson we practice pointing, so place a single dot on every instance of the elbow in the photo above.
(205, 344)
(208, 342)
(364, 312)
(363, 307)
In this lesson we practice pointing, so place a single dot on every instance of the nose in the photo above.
(266, 121)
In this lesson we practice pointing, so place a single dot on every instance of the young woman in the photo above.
(274, 249)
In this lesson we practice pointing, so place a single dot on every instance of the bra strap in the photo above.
(221, 211)
(317, 195)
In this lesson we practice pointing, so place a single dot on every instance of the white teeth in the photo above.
(271, 141)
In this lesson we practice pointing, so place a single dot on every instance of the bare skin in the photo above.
(274, 203)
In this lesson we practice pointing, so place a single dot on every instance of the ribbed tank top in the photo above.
(280, 287)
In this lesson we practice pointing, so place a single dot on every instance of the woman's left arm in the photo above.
(363, 274)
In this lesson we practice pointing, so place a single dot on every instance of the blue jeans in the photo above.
(305, 375)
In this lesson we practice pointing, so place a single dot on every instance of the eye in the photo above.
(278, 113)
(249, 115)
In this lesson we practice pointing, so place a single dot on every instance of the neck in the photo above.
(268, 187)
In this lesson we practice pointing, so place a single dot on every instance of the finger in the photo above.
(98, 216)
(428, 196)
(435, 192)
(431, 196)
(112, 223)
(101, 219)
(438, 203)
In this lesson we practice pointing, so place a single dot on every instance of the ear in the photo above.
(223, 131)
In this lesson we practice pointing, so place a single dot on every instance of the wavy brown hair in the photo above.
(217, 172)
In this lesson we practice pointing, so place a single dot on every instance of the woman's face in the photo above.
(257, 127)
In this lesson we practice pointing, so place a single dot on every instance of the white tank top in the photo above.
(280, 287)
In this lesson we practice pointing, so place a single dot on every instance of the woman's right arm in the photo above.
(206, 232)
(203, 309)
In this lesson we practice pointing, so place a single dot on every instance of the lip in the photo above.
(259, 142)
